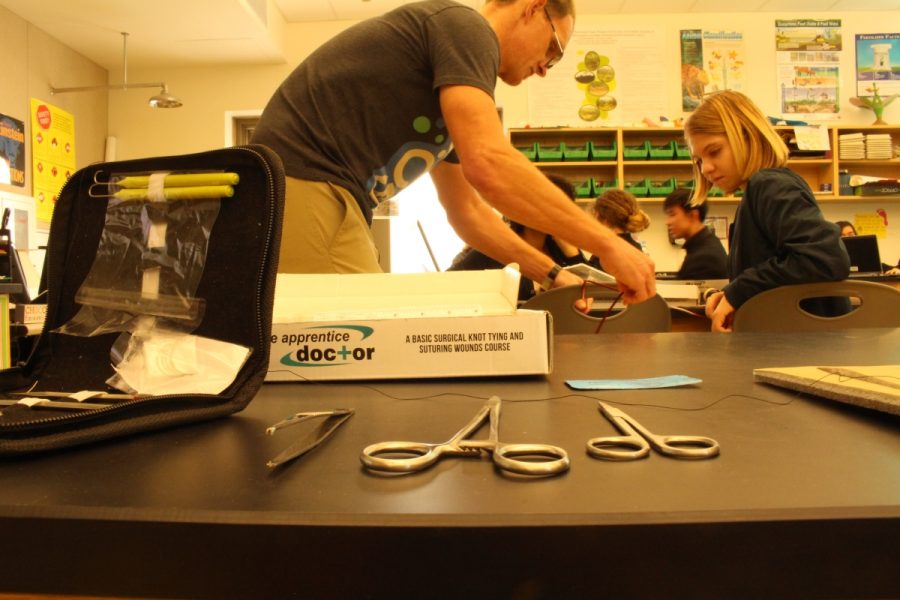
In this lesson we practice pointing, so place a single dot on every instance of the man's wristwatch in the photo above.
(547, 283)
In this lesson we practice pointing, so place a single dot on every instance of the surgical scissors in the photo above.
(543, 460)
(637, 441)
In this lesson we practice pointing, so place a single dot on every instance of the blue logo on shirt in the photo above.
(410, 161)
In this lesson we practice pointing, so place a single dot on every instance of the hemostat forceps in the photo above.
(417, 456)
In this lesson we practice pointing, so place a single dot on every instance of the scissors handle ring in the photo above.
(505, 457)
(624, 447)
(416, 456)
(687, 446)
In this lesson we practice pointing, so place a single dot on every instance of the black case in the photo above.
(237, 285)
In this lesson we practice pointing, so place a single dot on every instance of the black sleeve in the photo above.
(703, 266)
(706, 260)
(560, 258)
(807, 247)
(463, 49)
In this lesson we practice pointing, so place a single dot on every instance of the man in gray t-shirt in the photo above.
(411, 92)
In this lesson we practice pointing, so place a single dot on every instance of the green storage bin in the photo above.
(687, 184)
(639, 189)
(584, 189)
(664, 152)
(530, 151)
(604, 151)
(715, 192)
(601, 186)
(658, 189)
(551, 153)
(576, 153)
(682, 152)
(638, 152)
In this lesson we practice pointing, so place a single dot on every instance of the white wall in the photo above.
(759, 38)
(32, 62)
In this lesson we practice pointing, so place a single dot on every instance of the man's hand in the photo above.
(566, 278)
(720, 312)
(633, 270)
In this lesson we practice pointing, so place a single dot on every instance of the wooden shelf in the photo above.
(810, 161)
(894, 162)
(816, 171)
(828, 198)
(658, 163)
(577, 163)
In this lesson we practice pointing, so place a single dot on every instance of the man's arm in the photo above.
(480, 227)
(505, 179)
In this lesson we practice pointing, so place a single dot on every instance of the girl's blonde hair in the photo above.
(754, 142)
(619, 209)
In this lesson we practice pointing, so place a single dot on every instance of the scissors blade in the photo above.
(638, 441)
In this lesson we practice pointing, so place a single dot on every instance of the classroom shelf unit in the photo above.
(650, 162)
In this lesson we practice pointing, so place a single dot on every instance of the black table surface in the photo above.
(804, 498)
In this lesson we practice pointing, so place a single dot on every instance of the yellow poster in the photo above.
(52, 155)
(871, 224)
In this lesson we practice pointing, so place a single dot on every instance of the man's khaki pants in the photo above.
(324, 231)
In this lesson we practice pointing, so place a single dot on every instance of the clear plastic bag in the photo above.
(149, 262)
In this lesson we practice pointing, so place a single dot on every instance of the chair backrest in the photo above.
(650, 316)
(779, 309)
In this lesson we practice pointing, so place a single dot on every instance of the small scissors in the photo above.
(417, 456)
(634, 444)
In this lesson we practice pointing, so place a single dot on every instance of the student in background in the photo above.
(848, 230)
(619, 211)
(780, 235)
(705, 258)
(560, 251)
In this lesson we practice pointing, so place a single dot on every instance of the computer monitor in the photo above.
(23, 243)
(864, 255)
(18, 275)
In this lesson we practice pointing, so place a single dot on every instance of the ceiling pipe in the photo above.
(162, 100)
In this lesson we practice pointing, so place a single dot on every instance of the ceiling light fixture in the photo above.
(162, 100)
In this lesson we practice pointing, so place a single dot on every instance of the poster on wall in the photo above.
(607, 77)
(12, 151)
(878, 62)
(871, 223)
(52, 155)
(808, 54)
(711, 61)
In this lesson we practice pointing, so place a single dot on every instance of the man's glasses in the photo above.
(555, 49)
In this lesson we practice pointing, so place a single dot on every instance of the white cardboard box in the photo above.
(389, 326)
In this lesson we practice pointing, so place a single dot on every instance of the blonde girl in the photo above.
(780, 236)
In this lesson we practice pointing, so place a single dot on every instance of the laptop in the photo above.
(864, 255)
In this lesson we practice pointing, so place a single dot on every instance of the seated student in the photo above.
(780, 236)
(563, 253)
(705, 258)
(848, 230)
(618, 210)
